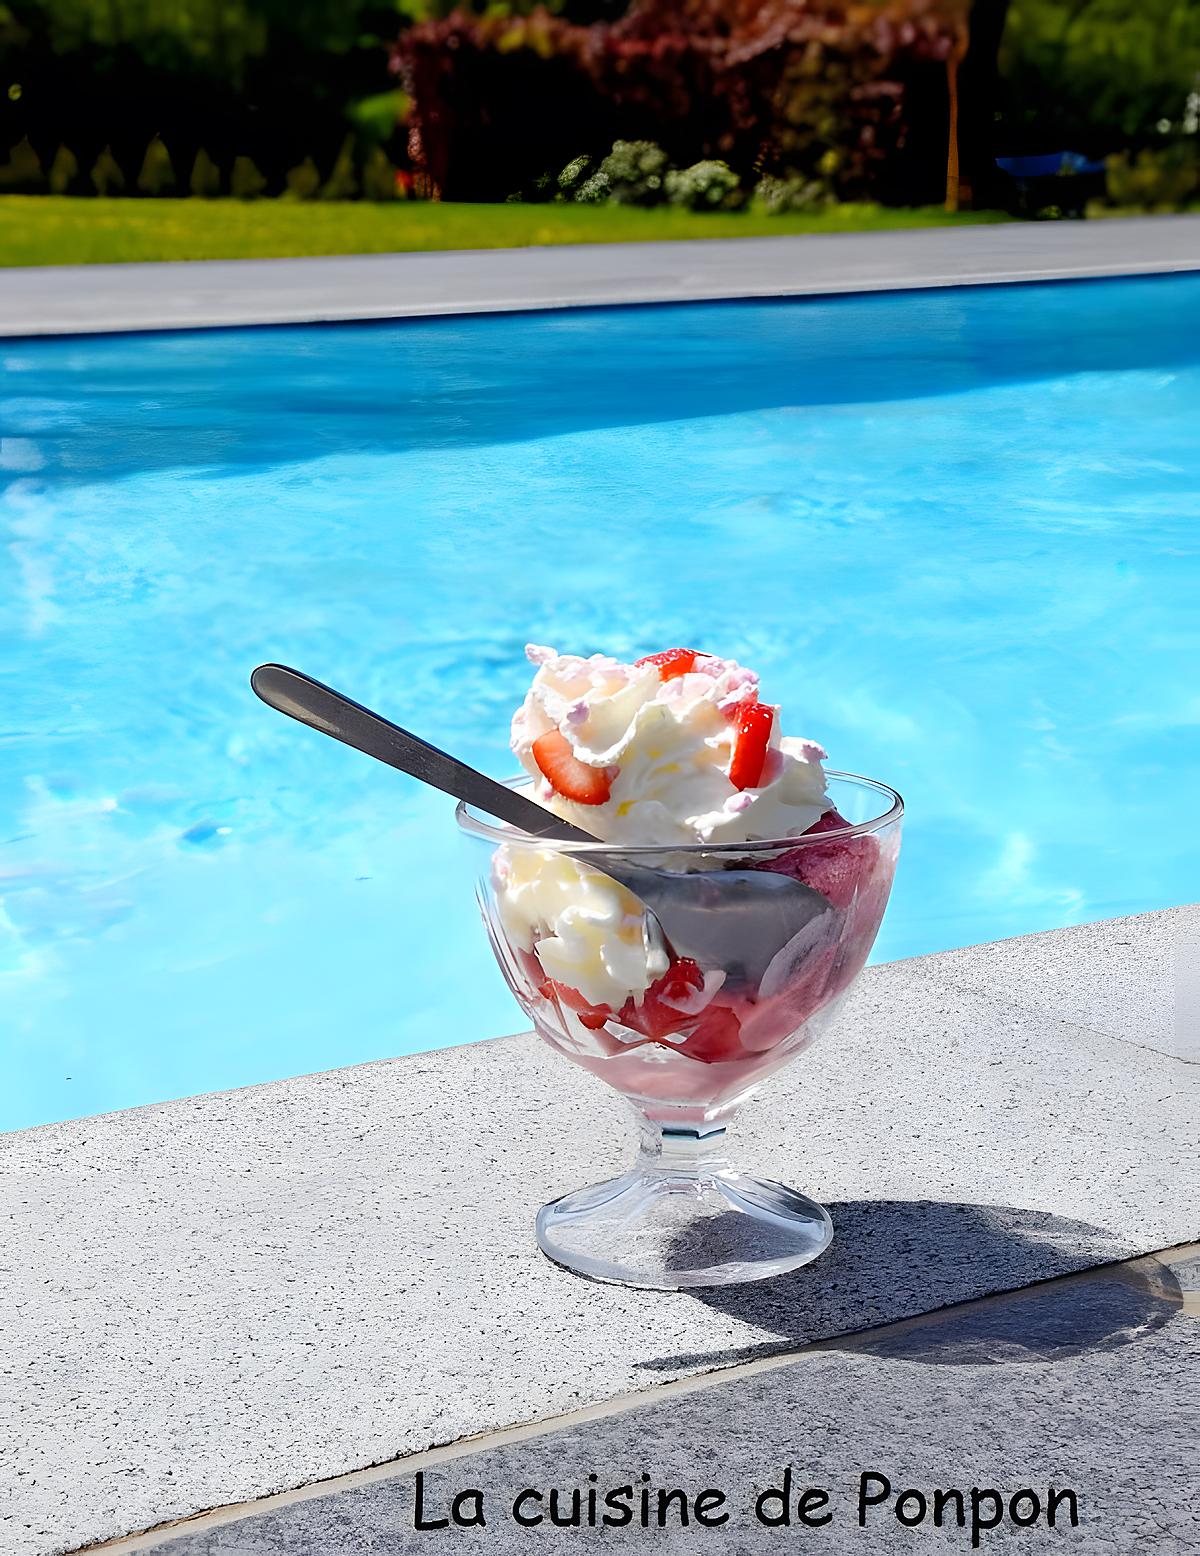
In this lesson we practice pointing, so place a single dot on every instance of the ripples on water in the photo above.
(957, 533)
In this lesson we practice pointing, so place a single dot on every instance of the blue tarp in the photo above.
(1048, 165)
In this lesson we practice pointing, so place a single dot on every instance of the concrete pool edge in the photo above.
(194, 294)
(190, 1276)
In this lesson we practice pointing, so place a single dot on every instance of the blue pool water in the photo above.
(957, 532)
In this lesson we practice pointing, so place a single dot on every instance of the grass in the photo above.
(60, 230)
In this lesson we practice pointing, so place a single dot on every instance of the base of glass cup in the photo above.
(683, 1218)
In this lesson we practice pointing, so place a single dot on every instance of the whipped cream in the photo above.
(667, 746)
(664, 745)
(591, 933)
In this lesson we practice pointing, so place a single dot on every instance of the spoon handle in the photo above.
(320, 707)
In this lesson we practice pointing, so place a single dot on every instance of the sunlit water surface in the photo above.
(956, 532)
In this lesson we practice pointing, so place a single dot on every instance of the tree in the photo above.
(979, 97)
(1095, 75)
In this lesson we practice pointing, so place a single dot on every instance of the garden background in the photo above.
(196, 128)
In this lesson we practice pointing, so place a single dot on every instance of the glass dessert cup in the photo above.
(690, 1048)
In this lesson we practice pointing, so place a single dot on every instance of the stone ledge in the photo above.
(1130, 978)
(223, 1297)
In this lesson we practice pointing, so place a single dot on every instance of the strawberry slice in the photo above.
(592, 1016)
(716, 1037)
(671, 662)
(754, 721)
(570, 777)
(657, 1014)
(682, 978)
(530, 966)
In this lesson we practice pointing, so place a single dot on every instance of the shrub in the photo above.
(157, 176)
(245, 181)
(595, 190)
(64, 172)
(106, 175)
(705, 186)
(379, 176)
(342, 183)
(23, 171)
(303, 181)
(778, 196)
(205, 181)
(1154, 180)
(633, 173)
(572, 177)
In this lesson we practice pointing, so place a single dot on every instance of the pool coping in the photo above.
(185, 1275)
(196, 294)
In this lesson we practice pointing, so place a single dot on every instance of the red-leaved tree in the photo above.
(852, 94)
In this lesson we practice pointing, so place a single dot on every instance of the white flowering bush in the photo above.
(705, 186)
(778, 196)
(633, 173)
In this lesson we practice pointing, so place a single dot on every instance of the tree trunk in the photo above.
(978, 93)
(952, 179)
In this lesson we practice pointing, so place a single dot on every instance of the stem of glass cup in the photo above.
(678, 1153)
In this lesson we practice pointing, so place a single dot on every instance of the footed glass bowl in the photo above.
(691, 1043)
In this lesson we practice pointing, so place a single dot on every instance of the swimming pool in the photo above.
(956, 531)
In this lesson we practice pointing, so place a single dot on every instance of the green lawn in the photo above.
(54, 230)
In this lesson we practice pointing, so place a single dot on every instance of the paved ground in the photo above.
(66, 299)
(225, 1297)
(1086, 1385)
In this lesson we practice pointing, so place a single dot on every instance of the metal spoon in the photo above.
(732, 919)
